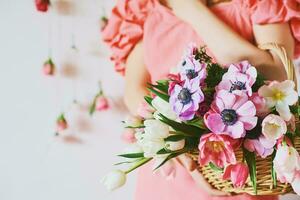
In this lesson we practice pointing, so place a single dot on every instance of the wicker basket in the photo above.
(263, 166)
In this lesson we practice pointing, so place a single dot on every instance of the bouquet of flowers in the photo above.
(240, 129)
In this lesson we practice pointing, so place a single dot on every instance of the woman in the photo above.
(147, 38)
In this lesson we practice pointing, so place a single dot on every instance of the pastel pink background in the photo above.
(34, 164)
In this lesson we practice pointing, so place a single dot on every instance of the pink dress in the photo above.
(165, 37)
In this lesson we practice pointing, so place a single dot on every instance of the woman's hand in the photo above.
(191, 166)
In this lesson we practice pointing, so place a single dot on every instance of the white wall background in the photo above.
(34, 164)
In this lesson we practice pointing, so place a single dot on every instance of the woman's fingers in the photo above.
(187, 162)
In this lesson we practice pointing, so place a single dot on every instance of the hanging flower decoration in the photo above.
(103, 22)
(61, 124)
(42, 5)
(100, 102)
(49, 67)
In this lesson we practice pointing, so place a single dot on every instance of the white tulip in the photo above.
(155, 129)
(133, 121)
(151, 147)
(273, 127)
(115, 179)
(175, 146)
(164, 108)
(152, 140)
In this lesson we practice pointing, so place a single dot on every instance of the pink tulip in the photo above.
(237, 173)
(260, 105)
(261, 146)
(145, 111)
(216, 148)
(128, 136)
(49, 68)
(231, 114)
(61, 123)
(102, 103)
(287, 164)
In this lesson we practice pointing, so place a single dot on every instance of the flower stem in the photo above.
(138, 164)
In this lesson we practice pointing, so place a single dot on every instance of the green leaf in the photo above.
(174, 138)
(92, 108)
(251, 162)
(214, 75)
(215, 168)
(162, 86)
(132, 155)
(273, 172)
(148, 100)
(260, 81)
(256, 131)
(198, 122)
(138, 164)
(291, 136)
(128, 162)
(294, 109)
(186, 129)
(168, 158)
(159, 94)
(135, 127)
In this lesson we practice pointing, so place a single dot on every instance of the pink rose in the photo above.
(216, 148)
(237, 173)
(101, 103)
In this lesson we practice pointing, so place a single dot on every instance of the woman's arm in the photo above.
(136, 79)
(227, 46)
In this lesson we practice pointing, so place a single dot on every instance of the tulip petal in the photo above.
(214, 123)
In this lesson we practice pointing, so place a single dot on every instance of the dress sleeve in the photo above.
(125, 29)
(278, 11)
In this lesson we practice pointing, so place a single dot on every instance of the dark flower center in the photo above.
(229, 117)
(238, 85)
(185, 96)
(190, 73)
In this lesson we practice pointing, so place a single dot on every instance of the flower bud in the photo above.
(175, 146)
(101, 103)
(115, 179)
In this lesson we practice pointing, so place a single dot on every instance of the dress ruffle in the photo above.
(125, 29)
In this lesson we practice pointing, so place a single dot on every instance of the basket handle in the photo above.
(287, 62)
